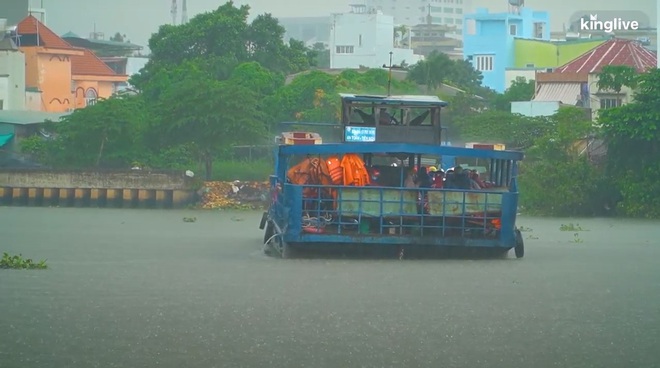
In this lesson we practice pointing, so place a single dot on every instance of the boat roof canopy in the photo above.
(418, 149)
(413, 100)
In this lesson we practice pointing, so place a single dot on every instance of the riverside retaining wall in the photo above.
(73, 188)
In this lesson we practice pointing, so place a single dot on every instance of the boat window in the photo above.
(419, 117)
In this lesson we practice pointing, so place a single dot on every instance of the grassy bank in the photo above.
(242, 170)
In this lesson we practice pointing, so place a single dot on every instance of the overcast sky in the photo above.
(138, 19)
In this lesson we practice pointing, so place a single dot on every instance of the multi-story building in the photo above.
(364, 38)
(489, 40)
(63, 77)
(12, 72)
(411, 13)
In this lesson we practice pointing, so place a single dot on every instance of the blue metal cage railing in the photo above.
(394, 215)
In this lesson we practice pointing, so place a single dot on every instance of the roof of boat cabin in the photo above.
(395, 100)
(418, 149)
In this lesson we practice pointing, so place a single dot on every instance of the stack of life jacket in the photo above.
(311, 171)
(355, 172)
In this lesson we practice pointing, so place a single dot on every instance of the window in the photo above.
(448, 10)
(459, 21)
(459, 11)
(538, 30)
(606, 103)
(90, 97)
(360, 41)
(449, 20)
(513, 29)
(2, 104)
(344, 49)
(483, 63)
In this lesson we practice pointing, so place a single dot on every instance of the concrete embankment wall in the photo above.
(128, 189)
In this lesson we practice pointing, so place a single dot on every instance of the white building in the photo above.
(535, 108)
(411, 13)
(365, 38)
(12, 72)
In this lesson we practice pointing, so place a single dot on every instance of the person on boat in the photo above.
(437, 177)
(458, 179)
(423, 179)
(384, 118)
(411, 181)
(476, 181)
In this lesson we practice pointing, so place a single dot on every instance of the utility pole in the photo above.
(390, 67)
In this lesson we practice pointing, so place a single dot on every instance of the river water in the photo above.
(143, 288)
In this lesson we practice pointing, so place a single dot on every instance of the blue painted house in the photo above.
(488, 40)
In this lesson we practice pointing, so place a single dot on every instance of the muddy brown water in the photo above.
(143, 288)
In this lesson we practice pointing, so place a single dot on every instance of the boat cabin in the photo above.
(391, 119)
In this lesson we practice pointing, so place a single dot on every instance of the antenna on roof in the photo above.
(184, 12)
(515, 5)
(174, 12)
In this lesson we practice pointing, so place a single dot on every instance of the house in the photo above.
(365, 38)
(489, 40)
(576, 82)
(66, 77)
(12, 73)
(17, 124)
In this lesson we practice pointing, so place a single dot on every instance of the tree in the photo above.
(632, 132)
(154, 82)
(221, 40)
(463, 75)
(461, 106)
(438, 69)
(433, 71)
(520, 90)
(322, 60)
(105, 134)
(257, 78)
(118, 37)
(401, 36)
(314, 96)
(615, 77)
(516, 131)
(556, 179)
(211, 115)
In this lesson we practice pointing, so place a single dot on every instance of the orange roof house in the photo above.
(67, 77)
(576, 82)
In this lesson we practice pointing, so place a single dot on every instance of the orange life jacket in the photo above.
(311, 171)
(336, 170)
(355, 172)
